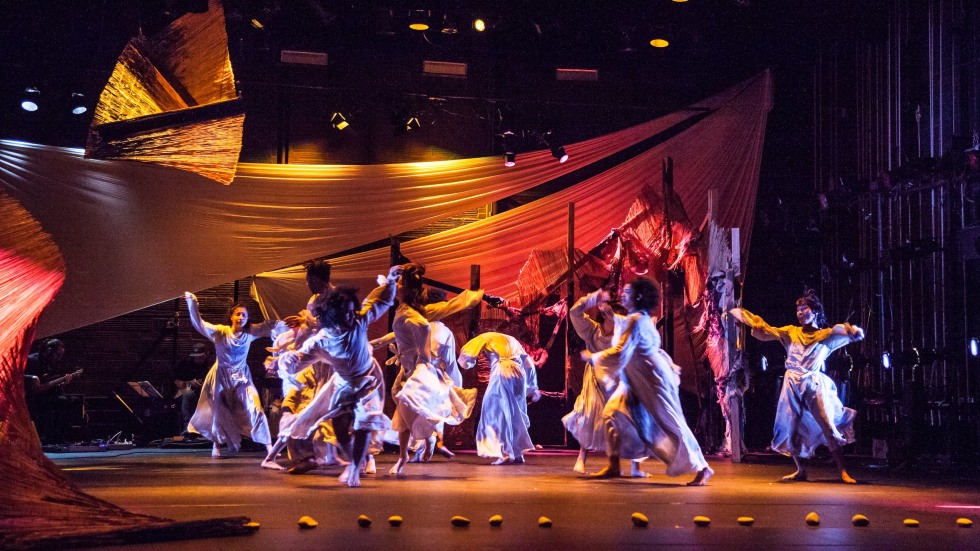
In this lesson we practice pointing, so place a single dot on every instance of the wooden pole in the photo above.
(478, 309)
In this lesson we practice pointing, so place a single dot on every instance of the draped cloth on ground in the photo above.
(720, 151)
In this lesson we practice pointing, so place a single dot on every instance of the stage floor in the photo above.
(587, 514)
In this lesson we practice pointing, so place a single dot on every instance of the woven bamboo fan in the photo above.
(171, 100)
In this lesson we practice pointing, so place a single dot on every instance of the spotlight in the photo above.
(886, 360)
(256, 24)
(78, 103)
(974, 347)
(418, 20)
(510, 154)
(479, 25)
(763, 363)
(659, 43)
(557, 150)
(31, 98)
(412, 123)
(338, 121)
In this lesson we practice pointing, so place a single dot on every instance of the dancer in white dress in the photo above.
(502, 431)
(809, 412)
(428, 396)
(585, 422)
(299, 388)
(643, 417)
(229, 406)
(354, 396)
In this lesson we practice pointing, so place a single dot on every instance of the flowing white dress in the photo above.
(229, 406)
(428, 396)
(357, 381)
(502, 431)
(584, 422)
(645, 408)
(809, 412)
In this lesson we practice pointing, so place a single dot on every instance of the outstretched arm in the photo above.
(382, 297)
(760, 329)
(462, 301)
(194, 313)
(585, 326)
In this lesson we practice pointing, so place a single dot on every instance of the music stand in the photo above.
(144, 389)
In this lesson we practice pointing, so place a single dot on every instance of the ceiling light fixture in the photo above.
(510, 153)
(78, 103)
(552, 143)
(339, 121)
(479, 25)
(418, 20)
(31, 98)
(659, 43)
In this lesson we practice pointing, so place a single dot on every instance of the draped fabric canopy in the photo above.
(134, 234)
(722, 151)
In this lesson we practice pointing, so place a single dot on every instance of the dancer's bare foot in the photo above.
(702, 477)
(303, 466)
(846, 478)
(428, 448)
(399, 468)
(370, 467)
(798, 476)
(354, 478)
(215, 451)
(637, 472)
(271, 464)
(445, 452)
(579, 466)
(501, 461)
(606, 472)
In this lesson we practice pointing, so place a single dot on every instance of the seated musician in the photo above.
(189, 373)
(44, 378)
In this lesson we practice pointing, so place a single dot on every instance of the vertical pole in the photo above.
(735, 343)
(394, 258)
(570, 297)
(668, 304)
(475, 312)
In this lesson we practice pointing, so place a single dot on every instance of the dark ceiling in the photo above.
(65, 46)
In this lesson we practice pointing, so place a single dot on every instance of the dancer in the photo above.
(809, 413)
(428, 396)
(354, 396)
(229, 406)
(502, 432)
(584, 422)
(299, 388)
(643, 417)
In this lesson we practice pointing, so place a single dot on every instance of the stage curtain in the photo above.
(134, 235)
(722, 151)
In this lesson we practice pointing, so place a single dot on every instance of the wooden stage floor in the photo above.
(587, 514)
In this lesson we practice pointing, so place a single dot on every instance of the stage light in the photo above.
(510, 153)
(559, 153)
(763, 363)
(479, 25)
(257, 24)
(419, 20)
(78, 103)
(886, 360)
(412, 123)
(31, 99)
(557, 150)
(974, 347)
(659, 43)
(338, 121)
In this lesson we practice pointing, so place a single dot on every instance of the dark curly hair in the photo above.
(811, 299)
(331, 309)
(648, 292)
(413, 293)
(318, 269)
(434, 295)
